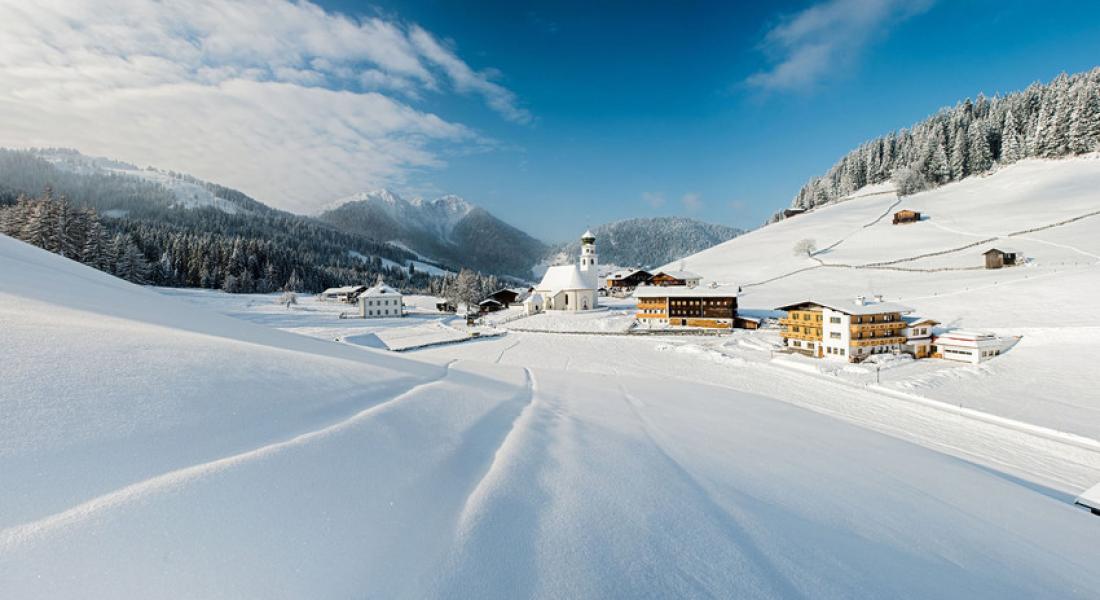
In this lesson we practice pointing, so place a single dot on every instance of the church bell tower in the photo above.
(590, 262)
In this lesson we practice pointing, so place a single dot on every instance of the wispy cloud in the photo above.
(285, 100)
(692, 202)
(812, 44)
(653, 199)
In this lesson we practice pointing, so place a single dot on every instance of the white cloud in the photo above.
(653, 199)
(825, 37)
(286, 101)
(692, 202)
(466, 79)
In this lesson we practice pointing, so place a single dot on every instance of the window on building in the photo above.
(834, 320)
(835, 335)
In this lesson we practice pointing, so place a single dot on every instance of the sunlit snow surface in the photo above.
(150, 447)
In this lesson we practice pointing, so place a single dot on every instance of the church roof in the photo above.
(562, 277)
(588, 234)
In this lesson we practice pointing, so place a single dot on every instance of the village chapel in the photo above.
(570, 287)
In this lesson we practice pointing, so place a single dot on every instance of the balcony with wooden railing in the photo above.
(878, 341)
(877, 328)
(806, 334)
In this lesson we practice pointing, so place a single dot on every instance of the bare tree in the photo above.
(805, 246)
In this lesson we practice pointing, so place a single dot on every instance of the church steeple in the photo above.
(590, 262)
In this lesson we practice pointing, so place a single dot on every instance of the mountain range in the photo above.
(448, 230)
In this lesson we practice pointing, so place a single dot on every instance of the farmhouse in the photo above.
(844, 330)
(918, 336)
(627, 280)
(906, 216)
(381, 301)
(572, 287)
(996, 258)
(675, 278)
(792, 212)
(489, 305)
(505, 297)
(346, 294)
(966, 346)
(707, 308)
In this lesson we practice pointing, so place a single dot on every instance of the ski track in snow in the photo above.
(12, 537)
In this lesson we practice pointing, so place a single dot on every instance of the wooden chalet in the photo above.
(705, 308)
(906, 216)
(627, 280)
(996, 258)
(792, 212)
(675, 278)
(505, 297)
(489, 305)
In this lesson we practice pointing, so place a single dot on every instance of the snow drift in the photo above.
(151, 449)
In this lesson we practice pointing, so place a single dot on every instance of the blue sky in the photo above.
(637, 105)
(553, 115)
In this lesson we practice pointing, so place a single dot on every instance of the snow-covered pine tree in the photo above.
(1011, 145)
(981, 157)
(960, 159)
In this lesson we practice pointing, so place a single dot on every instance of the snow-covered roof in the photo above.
(852, 307)
(588, 234)
(1002, 250)
(656, 291)
(488, 301)
(1090, 497)
(562, 277)
(624, 274)
(347, 289)
(912, 320)
(968, 339)
(380, 290)
(685, 275)
(534, 297)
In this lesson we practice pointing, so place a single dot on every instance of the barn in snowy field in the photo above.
(906, 216)
(681, 306)
(995, 258)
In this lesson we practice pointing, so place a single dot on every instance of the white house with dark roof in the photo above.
(573, 287)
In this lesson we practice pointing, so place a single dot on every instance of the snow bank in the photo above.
(150, 448)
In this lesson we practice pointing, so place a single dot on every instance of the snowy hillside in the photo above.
(151, 448)
(1047, 210)
(189, 193)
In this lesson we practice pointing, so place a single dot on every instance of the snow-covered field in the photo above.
(151, 447)
(1049, 377)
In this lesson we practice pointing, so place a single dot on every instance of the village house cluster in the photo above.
(844, 330)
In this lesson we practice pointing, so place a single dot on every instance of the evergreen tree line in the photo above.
(1055, 120)
(75, 233)
(257, 249)
(160, 254)
(468, 287)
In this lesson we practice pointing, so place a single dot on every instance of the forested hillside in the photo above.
(1055, 120)
(252, 248)
(650, 242)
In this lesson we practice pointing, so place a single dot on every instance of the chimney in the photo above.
(878, 297)
(861, 300)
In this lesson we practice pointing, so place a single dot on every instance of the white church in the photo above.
(569, 287)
